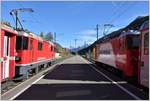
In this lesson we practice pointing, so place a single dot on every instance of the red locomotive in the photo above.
(125, 51)
(120, 52)
(32, 52)
(23, 53)
(144, 55)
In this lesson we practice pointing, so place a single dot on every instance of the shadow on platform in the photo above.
(74, 92)
(75, 72)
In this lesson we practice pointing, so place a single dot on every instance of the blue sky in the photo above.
(75, 20)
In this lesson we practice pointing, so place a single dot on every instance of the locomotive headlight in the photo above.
(17, 59)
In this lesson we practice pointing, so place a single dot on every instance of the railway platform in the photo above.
(75, 79)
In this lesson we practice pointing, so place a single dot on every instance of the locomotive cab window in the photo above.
(133, 42)
(40, 45)
(51, 48)
(25, 43)
(122, 44)
(21, 43)
(31, 44)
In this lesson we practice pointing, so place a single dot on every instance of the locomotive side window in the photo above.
(146, 40)
(105, 51)
(19, 43)
(31, 44)
(122, 44)
(40, 45)
(25, 43)
(135, 42)
(51, 48)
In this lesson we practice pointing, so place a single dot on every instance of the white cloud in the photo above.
(87, 32)
(88, 35)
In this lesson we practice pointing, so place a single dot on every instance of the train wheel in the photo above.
(124, 77)
(27, 75)
(133, 80)
(36, 70)
(47, 65)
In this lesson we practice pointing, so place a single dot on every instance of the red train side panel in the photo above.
(32, 52)
(144, 55)
(8, 41)
(121, 53)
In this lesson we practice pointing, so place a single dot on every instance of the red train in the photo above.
(128, 54)
(23, 53)
(144, 55)
(8, 41)
(124, 51)
(120, 52)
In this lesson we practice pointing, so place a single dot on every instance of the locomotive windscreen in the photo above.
(21, 43)
(133, 42)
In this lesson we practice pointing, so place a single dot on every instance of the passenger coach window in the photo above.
(146, 40)
(40, 45)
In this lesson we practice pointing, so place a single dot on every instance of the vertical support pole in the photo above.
(55, 37)
(97, 31)
(16, 13)
(36, 70)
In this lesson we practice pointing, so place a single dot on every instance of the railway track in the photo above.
(11, 84)
(118, 74)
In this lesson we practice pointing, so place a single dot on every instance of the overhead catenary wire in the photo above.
(32, 16)
(31, 13)
(121, 13)
(115, 12)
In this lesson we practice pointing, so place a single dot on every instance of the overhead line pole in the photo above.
(75, 42)
(16, 13)
(97, 29)
(55, 37)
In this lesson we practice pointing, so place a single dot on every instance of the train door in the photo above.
(144, 68)
(94, 53)
(31, 49)
(6, 55)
